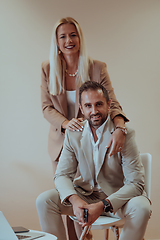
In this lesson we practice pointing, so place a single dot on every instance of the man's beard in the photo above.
(96, 123)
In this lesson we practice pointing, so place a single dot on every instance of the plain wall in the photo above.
(126, 35)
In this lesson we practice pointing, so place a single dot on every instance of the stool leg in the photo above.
(106, 234)
(85, 230)
(116, 233)
(71, 229)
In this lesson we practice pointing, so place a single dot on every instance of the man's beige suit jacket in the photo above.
(121, 177)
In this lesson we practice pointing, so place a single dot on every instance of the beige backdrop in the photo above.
(123, 33)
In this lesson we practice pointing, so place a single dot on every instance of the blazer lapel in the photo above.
(77, 102)
(87, 165)
(103, 156)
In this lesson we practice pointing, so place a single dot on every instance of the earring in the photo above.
(59, 52)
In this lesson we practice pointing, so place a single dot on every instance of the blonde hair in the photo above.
(58, 64)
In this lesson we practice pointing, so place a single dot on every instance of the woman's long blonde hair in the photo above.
(58, 64)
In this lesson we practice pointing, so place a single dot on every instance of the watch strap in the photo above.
(107, 206)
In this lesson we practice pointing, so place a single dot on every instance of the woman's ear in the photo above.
(58, 49)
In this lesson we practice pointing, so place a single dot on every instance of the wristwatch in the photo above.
(123, 129)
(107, 206)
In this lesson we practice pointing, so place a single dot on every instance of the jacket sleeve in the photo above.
(66, 170)
(115, 108)
(133, 172)
(50, 113)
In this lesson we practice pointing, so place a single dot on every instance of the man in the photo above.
(114, 185)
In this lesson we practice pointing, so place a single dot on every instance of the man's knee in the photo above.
(140, 207)
(46, 199)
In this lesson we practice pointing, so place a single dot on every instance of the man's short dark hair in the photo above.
(93, 86)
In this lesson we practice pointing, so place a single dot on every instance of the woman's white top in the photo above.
(71, 100)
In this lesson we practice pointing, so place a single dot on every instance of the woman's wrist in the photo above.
(64, 124)
(123, 129)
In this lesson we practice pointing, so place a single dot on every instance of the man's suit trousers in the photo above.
(136, 213)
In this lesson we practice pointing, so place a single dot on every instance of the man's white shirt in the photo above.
(95, 150)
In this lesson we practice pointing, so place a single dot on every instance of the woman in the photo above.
(68, 67)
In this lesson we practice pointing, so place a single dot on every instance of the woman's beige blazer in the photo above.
(55, 107)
